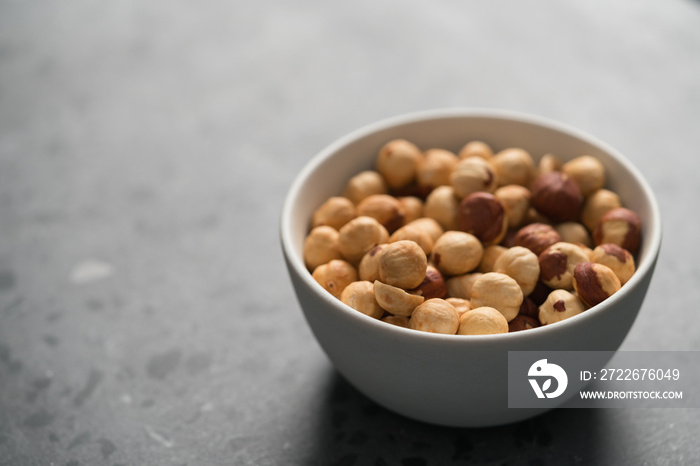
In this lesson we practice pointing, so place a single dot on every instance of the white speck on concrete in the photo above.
(160, 438)
(91, 271)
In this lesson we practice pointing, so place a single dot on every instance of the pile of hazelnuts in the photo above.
(473, 242)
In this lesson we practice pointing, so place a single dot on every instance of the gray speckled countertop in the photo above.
(146, 317)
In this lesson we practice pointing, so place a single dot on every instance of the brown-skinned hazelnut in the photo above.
(476, 149)
(523, 322)
(398, 162)
(557, 264)
(364, 184)
(360, 235)
(402, 264)
(514, 166)
(619, 226)
(456, 252)
(321, 246)
(537, 237)
(594, 283)
(483, 216)
(384, 208)
(522, 265)
(556, 196)
(483, 320)
(334, 276)
(471, 175)
(359, 295)
(432, 286)
(499, 291)
(442, 205)
(396, 300)
(587, 172)
(436, 168)
(516, 202)
(335, 212)
(596, 205)
(435, 316)
(560, 305)
(529, 308)
(617, 258)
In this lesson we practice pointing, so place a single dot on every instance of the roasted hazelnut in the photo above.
(560, 305)
(395, 300)
(398, 162)
(587, 172)
(334, 276)
(413, 233)
(617, 258)
(574, 232)
(539, 294)
(384, 208)
(516, 202)
(508, 240)
(537, 237)
(534, 216)
(461, 305)
(522, 265)
(335, 212)
(460, 286)
(364, 184)
(436, 168)
(482, 215)
(557, 264)
(402, 264)
(482, 320)
(499, 291)
(360, 296)
(529, 308)
(471, 175)
(594, 283)
(360, 235)
(432, 286)
(435, 316)
(399, 321)
(369, 265)
(514, 166)
(476, 149)
(412, 207)
(430, 226)
(523, 322)
(442, 205)
(556, 196)
(491, 255)
(619, 226)
(549, 163)
(456, 252)
(596, 205)
(321, 246)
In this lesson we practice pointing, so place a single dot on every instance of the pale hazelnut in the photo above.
(460, 286)
(395, 300)
(537, 237)
(430, 226)
(533, 216)
(619, 226)
(398, 162)
(549, 163)
(499, 291)
(384, 208)
(334, 276)
(442, 205)
(402, 264)
(523, 322)
(456, 252)
(436, 168)
(432, 286)
(594, 283)
(587, 172)
(557, 264)
(363, 185)
(335, 212)
(413, 233)
(516, 202)
(321, 246)
(360, 296)
(574, 232)
(491, 255)
(514, 166)
(435, 316)
(360, 235)
(596, 205)
(460, 305)
(476, 149)
(369, 265)
(522, 265)
(560, 305)
(482, 320)
(471, 175)
(617, 258)
(413, 208)
(399, 321)
(482, 215)
(556, 196)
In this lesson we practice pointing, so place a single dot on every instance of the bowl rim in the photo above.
(652, 236)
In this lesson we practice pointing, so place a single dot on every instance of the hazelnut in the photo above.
(460, 286)
(548, 163)
(321, 246)
(529, 308)
(476, 149)
(533, 216)
(436, 168)
(619, 226)
(442, 205)
(557, 264)
(360, 296)
(596, 205)
(594, 283)
(556, 196)
(516, 202)
(617, 258)
(412, 207)
(413, 233)
(471, 175)
(461, 305)
(560, 305)
(514, 166)
(403, 264)
(363, 185)
(456, 252)
(522, 265)
(499, 291)
(537, 237)
(587, 172)
(398, 162)
(435, 316)
(430, 226)
(508, 240)
(395, 300)
(399, 321)
(491, 255)
(538, 295)
(360, 235)
(482, 320)
(369, 265)
(384, 208)
(574, 232)
(334, 276)
(335, 212)
(432, 286)
(523, 322)
(482, 215)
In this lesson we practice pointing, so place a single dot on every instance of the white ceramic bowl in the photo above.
(451, 379)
